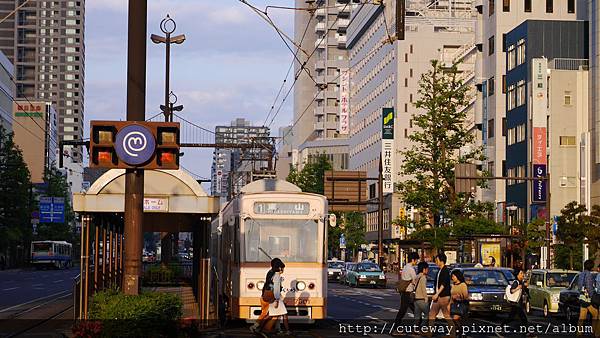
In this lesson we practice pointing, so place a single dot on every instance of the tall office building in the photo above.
(45, 42)
(385, 75)
(7, 92)
(496, 19)
(233, 168)
(320, 112)
(594, 100)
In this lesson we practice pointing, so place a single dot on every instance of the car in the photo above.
(545, 287)
(366, 274)
(334, 270)
(431, 276)
(508, 273)
(486, 290)
(568, 299)
(343, 276)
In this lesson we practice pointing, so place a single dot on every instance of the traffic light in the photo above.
(132, 144)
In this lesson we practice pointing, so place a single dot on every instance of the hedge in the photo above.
(150, 314)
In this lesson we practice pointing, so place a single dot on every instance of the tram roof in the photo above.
(268, 185)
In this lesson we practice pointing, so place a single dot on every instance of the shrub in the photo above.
(149, 314)
(160, 274)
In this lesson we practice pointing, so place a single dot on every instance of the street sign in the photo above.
(52, 210)
(342, 242)
(135, 144)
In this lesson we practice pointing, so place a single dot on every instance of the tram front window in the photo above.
(292, 240)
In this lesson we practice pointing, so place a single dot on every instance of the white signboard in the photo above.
(539, 92)
(156, 204)
(344, 101)
(219, 181)
(387, 150)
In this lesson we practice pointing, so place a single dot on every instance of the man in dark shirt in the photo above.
(441, 298)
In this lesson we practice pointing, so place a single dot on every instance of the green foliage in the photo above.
(435, 236)
(160, 274)
(438, 144)
(465, 227)
(563, 256)
(15, 196)
(351, 224)
(149, 314)
(572, 228)
(593, 232)
(311, 177)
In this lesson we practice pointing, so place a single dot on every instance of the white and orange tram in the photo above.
(269, 219)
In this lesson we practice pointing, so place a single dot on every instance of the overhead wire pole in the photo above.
(134, 178)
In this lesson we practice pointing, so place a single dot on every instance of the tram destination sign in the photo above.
(281, 208)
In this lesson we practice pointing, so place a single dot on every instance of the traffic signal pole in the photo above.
(134, 178)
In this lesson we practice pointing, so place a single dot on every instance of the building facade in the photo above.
(7, 92)
(45, 42)
(495, 20)
(233, 168)
(321, 90)
(35, 130)
(386, 75)
(529, 117)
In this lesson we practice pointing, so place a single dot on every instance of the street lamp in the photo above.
(167, 26)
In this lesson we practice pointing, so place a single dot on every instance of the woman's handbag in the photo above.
(268, 296)
(459, 308)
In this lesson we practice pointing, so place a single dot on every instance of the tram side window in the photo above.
(291, 240)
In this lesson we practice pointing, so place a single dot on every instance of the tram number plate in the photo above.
(301, 301)
(497, 307)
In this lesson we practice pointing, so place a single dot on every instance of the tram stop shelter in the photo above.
(173, 202)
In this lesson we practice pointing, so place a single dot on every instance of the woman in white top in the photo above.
(277, 308)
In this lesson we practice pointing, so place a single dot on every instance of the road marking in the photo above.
(58, 281)
(32, 301)
(39, 284)
(9, 289)
(376, 297)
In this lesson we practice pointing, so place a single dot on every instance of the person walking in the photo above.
(406, 286)
(441, 299)
(421, 300)
(586, 292)
(271, 293)
(520, 286)
(459, 301)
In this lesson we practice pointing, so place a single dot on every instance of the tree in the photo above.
(440, 142)
(572, 227)
(593, 232)
(15, 198)
(58, 187)
(311, 177)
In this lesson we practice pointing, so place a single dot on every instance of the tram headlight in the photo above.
(300, 286)
(260, 285)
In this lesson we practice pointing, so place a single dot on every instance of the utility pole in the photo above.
(134, 178)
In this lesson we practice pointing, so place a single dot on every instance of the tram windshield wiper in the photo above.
(266, 254)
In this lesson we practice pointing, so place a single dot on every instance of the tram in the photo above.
(51, 253)
(269, 219)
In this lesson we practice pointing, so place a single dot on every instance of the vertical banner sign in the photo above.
(219, 181)
(344, 101)
(484, 114)
(400, 18)
(387, 150)
(538, 121)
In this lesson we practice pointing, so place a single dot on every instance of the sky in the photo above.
(231, 65)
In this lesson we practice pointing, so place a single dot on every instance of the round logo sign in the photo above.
(135, 144)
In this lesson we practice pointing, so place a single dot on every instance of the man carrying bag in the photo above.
(406, 287)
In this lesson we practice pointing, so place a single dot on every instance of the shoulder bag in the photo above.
(459, 307)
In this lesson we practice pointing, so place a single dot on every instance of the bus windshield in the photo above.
(37, 247)
(292, 240)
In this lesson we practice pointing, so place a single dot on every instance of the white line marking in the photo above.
(11, 288)
(31, 301)
(58, 281)
(376, 297)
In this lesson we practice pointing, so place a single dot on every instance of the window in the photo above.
(506, 5)
(520, 93)
(491, 5)
(511, 173)
(567, 140)
(491, 127)
(511, 57)
(520, 133)
(520, 52)
(571, 6)
(491, 86)
(567, 100)
(528, 6)
(372, 191)
(549, 6)
(510, 139)
(491, 167)
(510, 97)
(491, 45)
(504, 126)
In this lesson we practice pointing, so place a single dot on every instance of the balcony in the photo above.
(320, 27)
(320, 43)
(341, 41)
(342, 24)
(320, 13)
(343, 9)
(319, 65)
(320, 79)
(319, 125)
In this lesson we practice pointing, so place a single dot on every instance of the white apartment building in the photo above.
(387, 75)
(495, 19)
(316, 126)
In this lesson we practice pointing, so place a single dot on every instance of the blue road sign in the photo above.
(52, 210)
(135, 144)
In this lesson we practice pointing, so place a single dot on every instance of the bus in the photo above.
(55, 254)
(268, 219)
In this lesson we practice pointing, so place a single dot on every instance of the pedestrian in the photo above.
(406, 286)
(271, 294)
(421, 301)
(492, 262)
(441, 299)
(519, 286)
(459, 303)
(586, 292)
